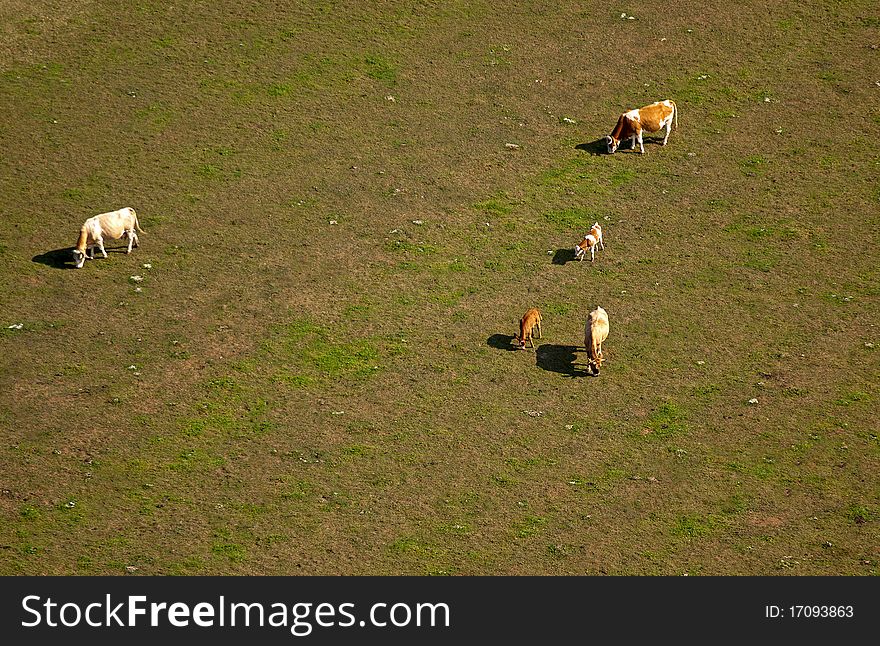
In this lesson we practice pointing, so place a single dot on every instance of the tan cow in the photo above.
(112, 225)
(651, 118)
(530, 321)
(595, 332)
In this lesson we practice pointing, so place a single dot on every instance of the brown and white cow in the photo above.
(530, 321)
(593, 238)
(595, 332)
(651, 118)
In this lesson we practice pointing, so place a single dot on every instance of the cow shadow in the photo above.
(563, 256)
(598, 147)
(501, 342)
(559, 358)
(57, 258)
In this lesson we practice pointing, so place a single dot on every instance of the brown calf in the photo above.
(531, 320)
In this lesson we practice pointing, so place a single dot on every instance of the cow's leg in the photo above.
(633, 142)
(90, 252)
(100, 242)
(540, 335)
(668, 130)
(641, 145)
(130, 235)
(592, 253)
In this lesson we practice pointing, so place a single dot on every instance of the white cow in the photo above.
(595, 332)
(112, 225)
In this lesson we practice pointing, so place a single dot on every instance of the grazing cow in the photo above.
(595, 332)
(651, 118)
(112, 225)
(530, 321)
(593, 238)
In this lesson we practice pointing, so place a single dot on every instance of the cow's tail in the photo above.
(675, 113)
(137, 224)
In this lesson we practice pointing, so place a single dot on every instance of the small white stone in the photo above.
(753, 400)
(15, 326)
(333, 222)
(511, 146)
(567, 120)
(390, 98)
(147, 265)
(418, 222)
(701, 363)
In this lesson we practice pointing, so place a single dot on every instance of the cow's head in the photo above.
(612, 143)
(79, 258)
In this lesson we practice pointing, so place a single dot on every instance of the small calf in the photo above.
(595, 332)
(112, 225)
(531, 320)
(593, 238)
(652, 118)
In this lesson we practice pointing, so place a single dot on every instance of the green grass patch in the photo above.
(572, 218)
(381, 69)
(693, 526)
(666, 421)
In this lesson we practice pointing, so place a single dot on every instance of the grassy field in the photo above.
(305, 368)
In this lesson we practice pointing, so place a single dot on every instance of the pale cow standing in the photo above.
(112, 225)
(595, 332)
